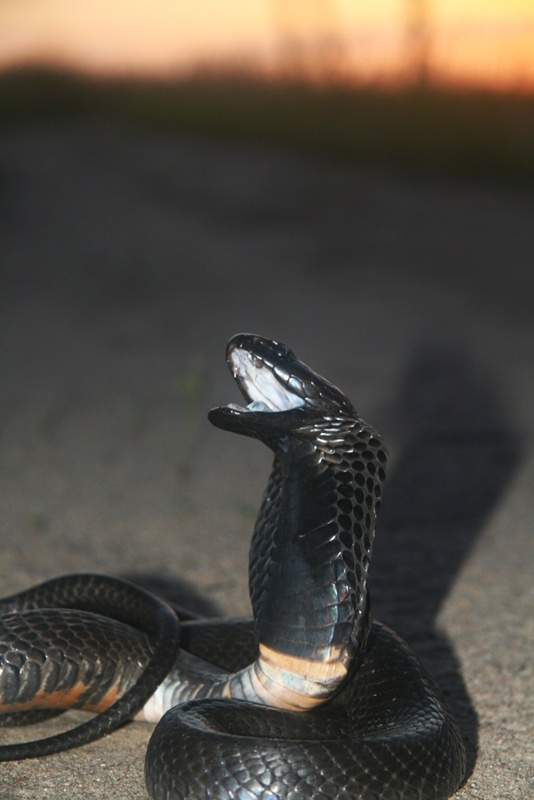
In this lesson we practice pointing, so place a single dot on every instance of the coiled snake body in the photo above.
(310, 701)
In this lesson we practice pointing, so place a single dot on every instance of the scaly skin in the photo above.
(312, 701)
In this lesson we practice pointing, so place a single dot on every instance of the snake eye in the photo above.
(281, 350)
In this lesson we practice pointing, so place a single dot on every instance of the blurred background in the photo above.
(432, 83)
(475, 42)
(352, 178)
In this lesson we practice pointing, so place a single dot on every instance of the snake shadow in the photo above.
(182, 595)
(458, 455)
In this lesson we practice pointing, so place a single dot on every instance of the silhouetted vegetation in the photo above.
(458, 132)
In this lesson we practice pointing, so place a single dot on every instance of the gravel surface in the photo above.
(128, 260)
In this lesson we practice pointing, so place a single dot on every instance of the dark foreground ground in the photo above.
(128, 260)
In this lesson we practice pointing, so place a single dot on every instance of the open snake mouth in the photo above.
(274, 384)
(264, 390)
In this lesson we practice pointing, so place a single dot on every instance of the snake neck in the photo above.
(309, 561)
(309, 565)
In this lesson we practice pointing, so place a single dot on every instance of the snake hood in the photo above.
(314, 532)
(281, 392)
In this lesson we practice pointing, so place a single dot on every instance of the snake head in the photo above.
(280, 391)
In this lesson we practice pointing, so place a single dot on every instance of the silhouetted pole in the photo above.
(418, 41)
(309, 42)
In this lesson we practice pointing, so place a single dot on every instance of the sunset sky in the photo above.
(489, 41)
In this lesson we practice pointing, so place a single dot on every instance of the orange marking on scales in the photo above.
(64, 698)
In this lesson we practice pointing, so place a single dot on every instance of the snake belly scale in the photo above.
(310, 699)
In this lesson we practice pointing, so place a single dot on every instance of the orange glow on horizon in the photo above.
(476, 41)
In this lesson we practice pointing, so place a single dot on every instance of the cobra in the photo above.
(310, 699)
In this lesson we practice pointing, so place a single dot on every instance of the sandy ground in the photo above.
(128, 260)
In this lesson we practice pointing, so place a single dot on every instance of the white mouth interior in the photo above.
(265, 391)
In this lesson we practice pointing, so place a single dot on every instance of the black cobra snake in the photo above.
(312, 700)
